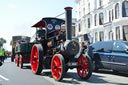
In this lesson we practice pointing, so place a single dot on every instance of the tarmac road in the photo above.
(12, 75)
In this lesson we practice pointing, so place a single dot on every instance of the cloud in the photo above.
(11, 5)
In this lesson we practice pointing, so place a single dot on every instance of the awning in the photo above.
(39, 24)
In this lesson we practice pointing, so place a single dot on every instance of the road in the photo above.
(12, 75)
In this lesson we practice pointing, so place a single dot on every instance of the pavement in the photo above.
(12, 75)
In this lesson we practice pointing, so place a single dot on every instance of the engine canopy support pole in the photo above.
(68, 23)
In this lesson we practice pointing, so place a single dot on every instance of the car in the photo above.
(110, 55)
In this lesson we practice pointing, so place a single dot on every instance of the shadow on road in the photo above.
(73, 78)
(113, 73)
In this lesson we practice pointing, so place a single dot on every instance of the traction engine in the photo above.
(56, 50)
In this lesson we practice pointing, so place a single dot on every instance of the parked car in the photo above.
(110, 55)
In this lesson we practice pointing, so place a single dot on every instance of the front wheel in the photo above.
(58, 67)
(37, 59)
(85, 67)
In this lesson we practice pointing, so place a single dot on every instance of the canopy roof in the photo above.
(44, 21)
(39, 24)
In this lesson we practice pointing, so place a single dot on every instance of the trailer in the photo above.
(23, 53)
(14, 42)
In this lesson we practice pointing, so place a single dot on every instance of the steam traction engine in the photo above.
(56, 49)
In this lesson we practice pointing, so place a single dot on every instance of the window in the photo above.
(119, 47)
(88, 22)
(101, 18)
(117, 33)
(101, 36)
(110, 35)
(125, 9)
(108, 47)
(96, 46)
(88, 7)
(85, 21)
(101, 3)
(95, 18)
(96, 36)
(125, 33)
(110, 13)
(86, 37)
(79, 28)
(117, 11)
(79, 14)
(83, 11)
(83, 2)
(105, 47)
(102, 47)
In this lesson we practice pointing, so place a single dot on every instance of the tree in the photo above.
(2, 41)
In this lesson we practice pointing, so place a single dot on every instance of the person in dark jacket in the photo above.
(83, 47)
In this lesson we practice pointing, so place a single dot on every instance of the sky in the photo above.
(17, 16)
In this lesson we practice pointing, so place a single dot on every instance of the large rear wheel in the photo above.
(37, 59)
(58, 67)
(17, 60)
(85, 67)
(21, 61)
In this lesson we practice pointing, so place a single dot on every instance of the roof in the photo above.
(39, 24)
(44, 21)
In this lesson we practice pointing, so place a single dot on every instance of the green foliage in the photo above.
(2, 41)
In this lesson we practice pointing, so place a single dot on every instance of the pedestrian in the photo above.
(83, 48)
(89, 49)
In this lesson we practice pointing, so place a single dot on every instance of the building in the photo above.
(73, 27)
(102, 20)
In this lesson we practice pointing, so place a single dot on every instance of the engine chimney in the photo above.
(68, 23)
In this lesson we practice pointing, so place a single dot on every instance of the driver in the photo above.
(41, 33)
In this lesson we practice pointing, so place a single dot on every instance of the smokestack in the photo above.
(68, 23)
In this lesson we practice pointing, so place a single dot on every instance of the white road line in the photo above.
(3, 78)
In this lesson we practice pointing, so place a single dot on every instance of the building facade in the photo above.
(102, 20)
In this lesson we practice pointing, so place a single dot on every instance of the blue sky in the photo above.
(17, 16)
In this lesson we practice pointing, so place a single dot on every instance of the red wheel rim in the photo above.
(16, 59)
(84, 69)
(20, 60)
(34, 59)
(56, 67)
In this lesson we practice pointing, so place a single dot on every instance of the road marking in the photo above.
(3, 78)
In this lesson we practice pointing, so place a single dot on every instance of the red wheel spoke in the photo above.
(85, 73)
(59, 67)
(87, 69)
(82, 73)
(59, 72)
(55, 62)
